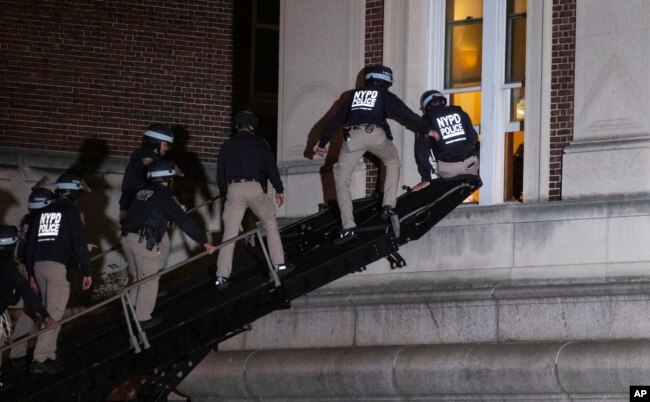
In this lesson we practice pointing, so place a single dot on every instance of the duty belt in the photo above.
(368, 127)
(241, 180)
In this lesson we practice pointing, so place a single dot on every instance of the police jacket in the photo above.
(247, 156)
(135, 175)
(58, 235)
(458, 137)
(371, 105)
(154, 207)
(13, 286)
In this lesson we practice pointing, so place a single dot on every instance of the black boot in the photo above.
(345, 236)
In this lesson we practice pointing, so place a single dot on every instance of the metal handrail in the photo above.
(125, 291)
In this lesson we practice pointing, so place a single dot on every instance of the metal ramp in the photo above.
(99, 353)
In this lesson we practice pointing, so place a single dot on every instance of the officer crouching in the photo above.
(144, 236)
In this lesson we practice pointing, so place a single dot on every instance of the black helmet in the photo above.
(159, 132)
(70, 185)
(429, 96)
(8, 236)
(40, 198)
(246, 119)
(378, 75)
(71, 181)
(162, 169)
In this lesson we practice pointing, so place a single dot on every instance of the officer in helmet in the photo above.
(14, 286)
(25, 318)
(57, 237)
(144, 235)
(363, 118)
(38, 199)
(452, 144)
(156, 141)
(244, 163)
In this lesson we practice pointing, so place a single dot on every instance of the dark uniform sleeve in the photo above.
(221, 174)
(23, 237)
(79, 242)
(128, 185)
(135, 175)
(396, 108)
(422, 154)
(22, 286)
(31, 241)
(176, 214)
(271, 168)
(334, 123)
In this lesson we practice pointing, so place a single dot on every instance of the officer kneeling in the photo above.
(144, 236)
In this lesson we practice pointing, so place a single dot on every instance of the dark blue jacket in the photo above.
(58, 235)
(458, 139)
(371, 105)
(247, 156)
(154, 207)
(135, 175)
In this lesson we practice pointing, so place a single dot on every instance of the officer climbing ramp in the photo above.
(100, 352)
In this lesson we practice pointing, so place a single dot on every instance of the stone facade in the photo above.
(545, 300)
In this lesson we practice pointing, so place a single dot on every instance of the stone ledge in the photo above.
(406, 293)
(542, 371)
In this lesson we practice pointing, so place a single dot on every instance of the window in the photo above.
(515, 72)
(495, 84)
(463, 43)
(265, 50)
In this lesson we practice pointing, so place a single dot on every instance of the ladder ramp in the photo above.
(99, 356)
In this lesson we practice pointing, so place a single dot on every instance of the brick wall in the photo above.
(374, 54)
(562, 89)
(72, 71)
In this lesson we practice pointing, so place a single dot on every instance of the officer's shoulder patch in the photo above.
(147, 160)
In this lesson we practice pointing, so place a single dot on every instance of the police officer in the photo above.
(39, 198)
(452, 140)
(364, 115)
(13, 285)
(144, 235)
(243, 165)
(57, 236)
(156, 141)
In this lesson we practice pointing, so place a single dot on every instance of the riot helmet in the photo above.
(429, 96)
(379, 75)
(39, 198)
(70, 185)
(155, 135)
(163, 170)
(8, 239)
(246, 120)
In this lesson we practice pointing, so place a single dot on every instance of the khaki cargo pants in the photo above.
(361, 142)
(453, 169)
(55, 292)
(240, 197)
(144, 263)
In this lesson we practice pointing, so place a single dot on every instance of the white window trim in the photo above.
(418, 53)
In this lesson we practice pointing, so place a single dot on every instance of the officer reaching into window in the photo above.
(363, 117)
(57, 237)
(452, 140)
(156, 141)
(244, 163)
(14, 286)
(144, 235)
